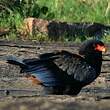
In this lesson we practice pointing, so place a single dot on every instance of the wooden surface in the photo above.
(23, 95)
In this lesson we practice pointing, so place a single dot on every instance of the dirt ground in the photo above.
(17, 93)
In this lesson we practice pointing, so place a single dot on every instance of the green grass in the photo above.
(62, 10)
(77, 11)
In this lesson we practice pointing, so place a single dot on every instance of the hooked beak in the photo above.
(100, 48)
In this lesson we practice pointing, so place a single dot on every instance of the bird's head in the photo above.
(91, 47)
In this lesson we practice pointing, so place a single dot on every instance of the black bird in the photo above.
(62, 72)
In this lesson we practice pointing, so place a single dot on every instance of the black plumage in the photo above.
(62, 72)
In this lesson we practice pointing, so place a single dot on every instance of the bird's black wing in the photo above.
(45, 70)
(73, 65)
(58, 68)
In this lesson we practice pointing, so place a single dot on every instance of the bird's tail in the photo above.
(16, 61)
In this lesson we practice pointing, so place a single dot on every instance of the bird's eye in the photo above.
(101, 48)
